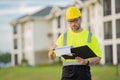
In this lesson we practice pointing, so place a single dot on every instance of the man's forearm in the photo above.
(94, 60)
(53, 47)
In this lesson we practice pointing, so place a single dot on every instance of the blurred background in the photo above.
(29, 27)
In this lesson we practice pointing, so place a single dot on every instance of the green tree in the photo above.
(5, 57)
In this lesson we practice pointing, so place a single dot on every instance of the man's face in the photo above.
(75, 24)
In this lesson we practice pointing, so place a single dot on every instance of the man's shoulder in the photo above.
(85, 30)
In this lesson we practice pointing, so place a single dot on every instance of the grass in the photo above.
(53, 72)
(105, 73)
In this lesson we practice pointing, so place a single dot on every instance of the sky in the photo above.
(13, 9)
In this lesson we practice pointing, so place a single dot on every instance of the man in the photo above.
(77, 68)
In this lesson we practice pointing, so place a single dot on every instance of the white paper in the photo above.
(64, 50)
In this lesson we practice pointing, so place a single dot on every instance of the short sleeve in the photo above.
(59, 41)
(94, 45)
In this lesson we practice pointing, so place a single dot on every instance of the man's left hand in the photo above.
(81, 60)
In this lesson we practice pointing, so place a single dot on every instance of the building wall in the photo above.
(42, 43)
(41, 30)
(63, 27)
(27, 41)
(110, 41)
(17, 47)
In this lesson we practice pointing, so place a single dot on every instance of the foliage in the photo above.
(6, 57)
(24, 62)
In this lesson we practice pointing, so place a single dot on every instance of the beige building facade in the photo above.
(34, 34)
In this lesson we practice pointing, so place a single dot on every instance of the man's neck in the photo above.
(79, 30)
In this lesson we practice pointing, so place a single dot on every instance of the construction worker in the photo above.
(76, 68)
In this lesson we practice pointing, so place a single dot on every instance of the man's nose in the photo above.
(72, 23)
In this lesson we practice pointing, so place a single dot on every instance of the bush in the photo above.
(24, 62)
(5, 58)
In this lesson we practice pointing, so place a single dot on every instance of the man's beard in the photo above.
(76, 28)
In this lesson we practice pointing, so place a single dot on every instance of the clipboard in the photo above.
(64, 50)
(83, 52)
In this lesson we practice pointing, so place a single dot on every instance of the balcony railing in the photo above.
(107, 12)
(117, 10)
(108, 36)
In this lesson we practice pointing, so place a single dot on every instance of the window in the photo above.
(108, 30)
(117, 6)
(118, 28)
(108, 54)
(50, 35)
(88, 14)
(15, 44)
(14, 30)
(118, 53)
(59, 17)
(16, 59)
(107, 7)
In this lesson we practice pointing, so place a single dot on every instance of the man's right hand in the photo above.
(51, 55)
(51, 52)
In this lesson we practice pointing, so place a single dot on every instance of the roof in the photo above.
(22, 17)
(43, 12)
(63, 7)
(83, 0)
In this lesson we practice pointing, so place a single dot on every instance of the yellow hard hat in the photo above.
(73, 13)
